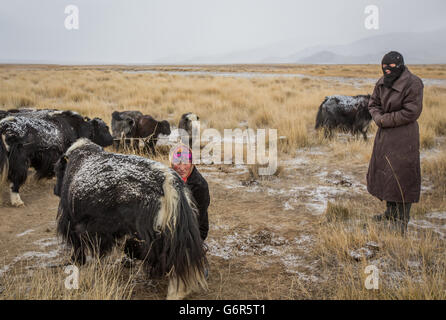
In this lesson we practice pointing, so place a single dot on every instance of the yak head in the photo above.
(126, 126)
(363, 116)
(100, 133)
(163, 127)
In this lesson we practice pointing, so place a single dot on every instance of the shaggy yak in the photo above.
(186, 124)
(105, 197)
(133, 124)
(350, 114)
(37, 139)
(149, 128)
(124, 126)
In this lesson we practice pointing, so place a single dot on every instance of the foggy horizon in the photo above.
(199, 31)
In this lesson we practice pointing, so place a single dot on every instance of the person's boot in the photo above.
(402, 220)
(387, 215)
(393, 211)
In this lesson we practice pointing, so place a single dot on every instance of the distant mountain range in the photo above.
(416, 47)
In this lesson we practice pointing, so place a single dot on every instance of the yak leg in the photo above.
(177, 290)
(149, 147)
(78, 257)
(135, 145)
(364, 134)
(328, 133)
(135, 249)
(116, 144)
(17, 174)
(152, 146)
(99, 247)
(16, 201)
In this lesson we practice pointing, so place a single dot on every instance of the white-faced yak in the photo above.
(37, 139)
(347, 113)
(106, 197)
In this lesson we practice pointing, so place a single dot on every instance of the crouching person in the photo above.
(181, 162)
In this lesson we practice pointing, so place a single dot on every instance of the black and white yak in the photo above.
(105, 197)
(348, 113)
(37, 140)
(185, 124)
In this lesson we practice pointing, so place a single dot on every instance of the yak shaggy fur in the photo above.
(37, 138)
(105, 197)
(348, 113)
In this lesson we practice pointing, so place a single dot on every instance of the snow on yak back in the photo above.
(105, 197)
(348, 113)
(37, 138)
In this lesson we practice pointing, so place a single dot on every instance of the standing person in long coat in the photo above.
(394, 169)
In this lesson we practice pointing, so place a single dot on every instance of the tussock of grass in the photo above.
(339, 211)
(100, 279)
(411, 267)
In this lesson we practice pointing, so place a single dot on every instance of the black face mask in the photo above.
(395, 72)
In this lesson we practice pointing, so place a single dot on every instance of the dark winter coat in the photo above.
(200, 191)
(394, 170)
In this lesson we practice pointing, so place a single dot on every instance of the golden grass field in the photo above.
(288, 236)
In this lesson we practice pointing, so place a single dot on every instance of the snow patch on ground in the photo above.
(269, 247)
(39, 258)
(437, 215)
(427, 225)
(46, 242)
(25, 233)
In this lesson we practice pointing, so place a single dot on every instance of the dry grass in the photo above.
(358, 70)
(290, 105)
(409, 267)
(412, 268)
(99, 279)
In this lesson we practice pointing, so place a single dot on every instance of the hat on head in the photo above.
(181, 154)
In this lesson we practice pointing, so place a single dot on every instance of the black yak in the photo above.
(37, 139)
(123, 125)
(347, 113)
(185, 124)
(133, 124)
(149, 128)
(105, 197)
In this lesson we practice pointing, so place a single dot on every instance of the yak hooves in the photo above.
(16, 201)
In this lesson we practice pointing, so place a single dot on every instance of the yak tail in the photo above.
(4, 161)
(177, 221)
(319, 116)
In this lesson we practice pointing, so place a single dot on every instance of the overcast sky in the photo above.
(155, 31)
